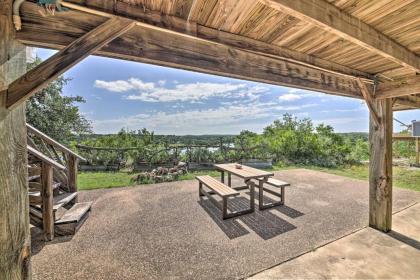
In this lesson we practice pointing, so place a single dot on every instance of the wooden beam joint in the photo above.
(38, 78)
(367, 95)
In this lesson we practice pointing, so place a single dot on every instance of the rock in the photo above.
(158, 179)
(135, 178)
(140, 177)
(182, 164)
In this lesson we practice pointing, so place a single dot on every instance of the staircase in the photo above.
(52, 178)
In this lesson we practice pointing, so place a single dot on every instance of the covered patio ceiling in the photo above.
(357, 48)
(327, 46)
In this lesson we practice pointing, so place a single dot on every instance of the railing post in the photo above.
(72, 172)
(47, 201)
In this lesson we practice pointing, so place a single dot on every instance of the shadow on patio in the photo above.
(164, 230)
(264, 223)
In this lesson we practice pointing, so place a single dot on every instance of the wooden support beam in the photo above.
(410, 102)
(369, 101)
(397, 88)
(149, 44)
(380, 167)
(331, 19)
(194, 29)
(15, 239)
(39, 77)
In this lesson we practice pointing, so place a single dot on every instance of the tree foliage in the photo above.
(288, 141)
(54, 113)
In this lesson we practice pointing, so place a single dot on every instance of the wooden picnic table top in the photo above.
(245, 172)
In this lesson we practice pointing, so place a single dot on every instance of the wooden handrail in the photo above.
(51, 141)
(45, 159)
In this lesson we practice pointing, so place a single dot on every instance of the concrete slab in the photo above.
(165, 231)
(366, 254)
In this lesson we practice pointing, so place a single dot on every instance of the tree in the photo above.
(55, 114)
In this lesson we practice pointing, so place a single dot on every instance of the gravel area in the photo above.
(165, 231)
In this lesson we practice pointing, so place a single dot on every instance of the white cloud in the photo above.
(351, 110)
(229, 118)
(339, 121)
(188, 92)
(290, 97)
(115, 86)
(219, 120)
(295, 108)
(193, 92)
(124, 86)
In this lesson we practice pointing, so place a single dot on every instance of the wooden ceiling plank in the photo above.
(331, 19)
(149, 44)
(227, 38)
(39, 77)
(397, 88)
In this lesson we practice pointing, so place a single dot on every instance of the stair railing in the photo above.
(52, 149)
(46, 198)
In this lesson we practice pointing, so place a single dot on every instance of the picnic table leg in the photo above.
(229, 180)
(282, 195)
(261, 193)
(251, 186)
(224, 208)
(222, 176)
(200, 189)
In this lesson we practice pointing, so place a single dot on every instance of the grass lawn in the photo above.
(104, 180)
(403, 177)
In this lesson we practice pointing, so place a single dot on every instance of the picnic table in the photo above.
(253, 178)
(247, 173)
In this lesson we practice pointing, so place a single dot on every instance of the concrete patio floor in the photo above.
(164, 231)
(366, 254)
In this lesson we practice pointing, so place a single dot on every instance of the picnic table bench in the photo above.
(250, 175)
(224, 192)
(275, 183)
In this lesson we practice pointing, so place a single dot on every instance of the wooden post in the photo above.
(15, 239)
(417, 150)
(72, 172)
(47, 201)
(380, 167)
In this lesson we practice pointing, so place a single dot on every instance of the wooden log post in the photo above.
(72, 172)
(47, 201)
(14, 203)
(380, 166)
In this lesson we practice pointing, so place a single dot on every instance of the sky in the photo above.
(123, 94)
